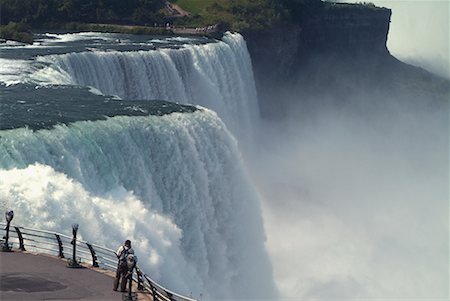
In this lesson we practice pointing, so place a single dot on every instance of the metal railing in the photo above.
(60, 245)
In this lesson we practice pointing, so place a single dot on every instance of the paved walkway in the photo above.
(26, 276)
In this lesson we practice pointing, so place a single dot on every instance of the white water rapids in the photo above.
(174, 184)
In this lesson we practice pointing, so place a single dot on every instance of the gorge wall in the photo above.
(339, 28)
(332, 55)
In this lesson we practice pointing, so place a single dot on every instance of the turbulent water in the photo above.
(171, 180)
(215, 75)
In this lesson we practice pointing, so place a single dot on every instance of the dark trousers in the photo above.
(121, 276)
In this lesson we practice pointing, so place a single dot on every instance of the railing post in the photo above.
(19, 235)
(73, 263)
(9, 216)
(170, 296)
(153, 289)
(140, 280)
(60, 245)
(94, 256)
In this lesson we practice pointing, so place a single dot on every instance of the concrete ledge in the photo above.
(29, 276)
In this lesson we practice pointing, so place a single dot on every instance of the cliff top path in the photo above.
(28, 276)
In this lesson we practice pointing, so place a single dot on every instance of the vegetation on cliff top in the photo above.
(39, 13)
(255, 14)
(101, 15)
(16, 32)
(108, 14)
(235, 14)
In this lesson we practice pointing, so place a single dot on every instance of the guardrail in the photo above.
(60, 245)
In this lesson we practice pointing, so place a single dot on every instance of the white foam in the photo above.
(215, 75)
(14, 71)
(80, 36)
(47, 199)
(126, 176)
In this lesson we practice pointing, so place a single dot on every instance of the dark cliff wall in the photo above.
(305, 54)
(347, 28)
(336, 55)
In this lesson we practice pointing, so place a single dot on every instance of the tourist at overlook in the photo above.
(122, 267)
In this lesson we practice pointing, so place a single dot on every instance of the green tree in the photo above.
(17, 32)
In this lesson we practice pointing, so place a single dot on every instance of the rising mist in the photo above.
(357, 206)
(354, 181)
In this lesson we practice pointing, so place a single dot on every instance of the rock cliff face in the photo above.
(335, 55)
(348, 28)
(313, 51)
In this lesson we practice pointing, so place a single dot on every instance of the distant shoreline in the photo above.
(209, 31)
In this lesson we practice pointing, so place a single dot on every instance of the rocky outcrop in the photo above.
(342, 29)
(336, 56)
(340, 38)
(346, 28)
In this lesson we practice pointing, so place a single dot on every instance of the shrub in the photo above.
(17, 32)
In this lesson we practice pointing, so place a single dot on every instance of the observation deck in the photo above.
(38, 268)
(32, 276)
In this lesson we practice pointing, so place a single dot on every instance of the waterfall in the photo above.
(215, 75)
(173, 184)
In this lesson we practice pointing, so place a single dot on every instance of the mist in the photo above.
(356, 208)
(355, 194)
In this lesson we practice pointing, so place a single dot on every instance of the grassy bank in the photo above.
(199, 6)
(232, 14)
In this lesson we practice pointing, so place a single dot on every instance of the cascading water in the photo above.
(173, 184)
(215, 75)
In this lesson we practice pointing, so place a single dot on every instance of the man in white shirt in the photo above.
(122, 267)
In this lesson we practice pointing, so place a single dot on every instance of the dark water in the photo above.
(44, 107)
(46, 44)
(37, 107)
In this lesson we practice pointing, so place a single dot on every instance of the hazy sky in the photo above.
(419, 32)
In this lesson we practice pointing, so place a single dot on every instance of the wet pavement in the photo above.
(27, 276)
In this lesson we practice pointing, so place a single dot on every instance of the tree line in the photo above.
(23, 15)
(41, 13)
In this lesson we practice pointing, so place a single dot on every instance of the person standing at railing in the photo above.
(122, 268)
(131, 264)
